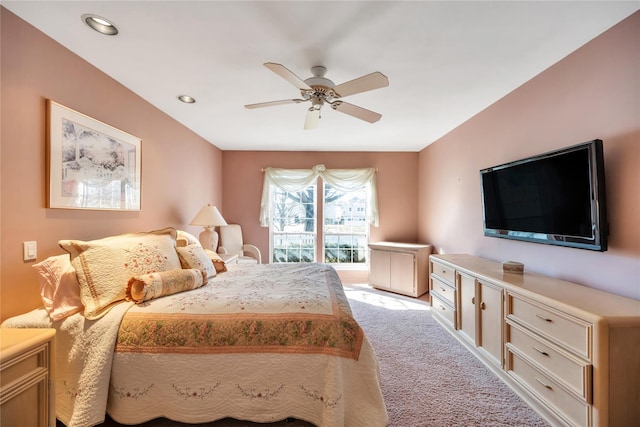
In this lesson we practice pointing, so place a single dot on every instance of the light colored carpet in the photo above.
(428, 377)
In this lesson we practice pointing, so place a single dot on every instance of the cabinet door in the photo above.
(467, 313)
(379, 269)
(403, 272)
(490, 309)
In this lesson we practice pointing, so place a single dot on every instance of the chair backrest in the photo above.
(231, 238)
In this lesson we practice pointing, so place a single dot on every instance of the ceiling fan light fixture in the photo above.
(186, 99)
(100, 24)
(312, 119)
(316, 103)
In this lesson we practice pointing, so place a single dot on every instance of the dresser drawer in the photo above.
(575, 411)
(31, 363)
(560, 328)
(443, 290)
(573, 372)
(443, 272)
(443, 310)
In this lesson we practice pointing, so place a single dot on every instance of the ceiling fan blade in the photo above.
(357, 112)
(362, 84)
(272, 103)
(288, 75)
(312, 119)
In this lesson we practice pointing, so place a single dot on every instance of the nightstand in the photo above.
(27, 365)
(229, 258)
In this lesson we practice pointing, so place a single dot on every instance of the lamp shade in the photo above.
(209, 216)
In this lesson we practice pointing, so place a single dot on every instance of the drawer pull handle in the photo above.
(473, 300)
(544, 353)
(443, 289)
(444, 271)
(547, 386)
(482, 305)
(442, 307)
(546, 319)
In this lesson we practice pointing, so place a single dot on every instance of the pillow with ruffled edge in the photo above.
(155, 285)
(193, 256)
(105, 266)
(218, 262)
(59, 287)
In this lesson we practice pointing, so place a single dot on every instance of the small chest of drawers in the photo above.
(399, 267)
(26, 375)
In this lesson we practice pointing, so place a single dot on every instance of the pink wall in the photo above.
(593, 93)
(180, 171)
(396, 179)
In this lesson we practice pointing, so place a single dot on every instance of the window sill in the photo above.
(350, 267)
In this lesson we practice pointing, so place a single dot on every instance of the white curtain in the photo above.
(293, 180)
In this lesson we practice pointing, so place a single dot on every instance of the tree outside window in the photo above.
(343, 232)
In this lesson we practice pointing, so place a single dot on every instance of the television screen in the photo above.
(555, 198)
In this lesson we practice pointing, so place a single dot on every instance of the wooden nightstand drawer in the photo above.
(561, 328)
(26, 372)
(443, 290)
(575, 411)
(575, 373)
(443, 272)
(29, 364)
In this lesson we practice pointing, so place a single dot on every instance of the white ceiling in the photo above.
(445, 60)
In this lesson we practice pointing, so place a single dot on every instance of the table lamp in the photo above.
(209, 217)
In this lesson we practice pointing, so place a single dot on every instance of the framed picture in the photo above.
(91, 164)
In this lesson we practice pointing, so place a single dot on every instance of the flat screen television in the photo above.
(556, 198)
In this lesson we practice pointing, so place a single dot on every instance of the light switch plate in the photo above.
(29, 250)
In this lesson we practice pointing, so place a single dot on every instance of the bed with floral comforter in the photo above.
(259, 343)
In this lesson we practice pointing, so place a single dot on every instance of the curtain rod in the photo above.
(262, 170)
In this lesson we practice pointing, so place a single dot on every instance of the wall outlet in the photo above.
(29, 250)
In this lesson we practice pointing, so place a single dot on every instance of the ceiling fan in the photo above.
(319, 90)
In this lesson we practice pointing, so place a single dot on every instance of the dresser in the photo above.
(571, 352)
(399, 267)
(26, 377)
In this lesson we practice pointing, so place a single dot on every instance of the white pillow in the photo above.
(105, 266)
(193, 256)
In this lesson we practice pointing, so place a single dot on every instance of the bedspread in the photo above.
(293, 309)
(259, 343)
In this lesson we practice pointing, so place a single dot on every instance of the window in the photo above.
(289, 208)
(293, 228)
(345, 228)
(344, 232)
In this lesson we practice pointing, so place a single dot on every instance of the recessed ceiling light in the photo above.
(100, 24)
(186, 99)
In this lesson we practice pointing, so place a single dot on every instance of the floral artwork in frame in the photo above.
(91, 165)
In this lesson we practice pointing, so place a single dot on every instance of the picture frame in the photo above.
(92, 165)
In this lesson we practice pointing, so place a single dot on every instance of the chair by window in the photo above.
(231, 244)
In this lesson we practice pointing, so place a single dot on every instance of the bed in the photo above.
(256, 342)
